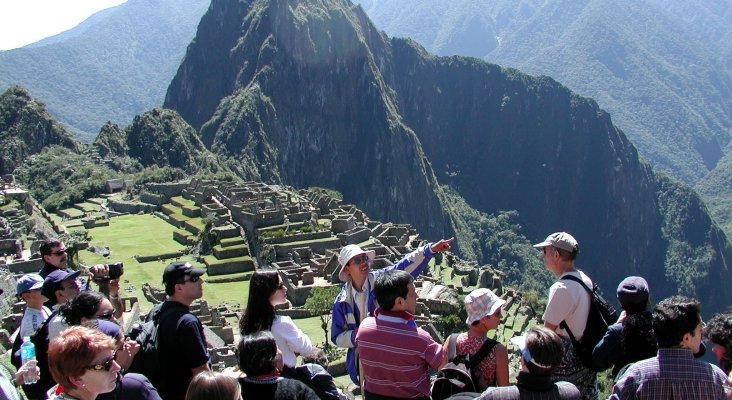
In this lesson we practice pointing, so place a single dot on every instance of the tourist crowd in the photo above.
(654, 353)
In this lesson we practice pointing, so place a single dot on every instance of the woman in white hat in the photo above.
(484, 314)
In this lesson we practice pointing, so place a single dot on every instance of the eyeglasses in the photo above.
(59, 252)
(193, 279)
(361, 258)
(105, 366)
(107, 315)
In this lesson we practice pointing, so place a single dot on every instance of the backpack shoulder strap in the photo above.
(43, 329)
(486, 348)
(563, 324)
(452, 347)
(578, 280)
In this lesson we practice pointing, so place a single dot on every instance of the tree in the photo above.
(320, 302)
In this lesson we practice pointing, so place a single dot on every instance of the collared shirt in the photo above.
(672, 374)
(396, 355)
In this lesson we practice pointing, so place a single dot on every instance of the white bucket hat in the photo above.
(346, 254)
(481, 303)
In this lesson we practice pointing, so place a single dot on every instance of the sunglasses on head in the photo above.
(105, 366)
(107, 315)
(361, 258)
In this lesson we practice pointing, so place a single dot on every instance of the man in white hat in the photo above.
(568, 302)
(356, 299)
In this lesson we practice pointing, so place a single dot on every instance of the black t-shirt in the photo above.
(276, 389)
(132, 386)
(182, 347)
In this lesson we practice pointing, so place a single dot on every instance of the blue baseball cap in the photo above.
(28, 282)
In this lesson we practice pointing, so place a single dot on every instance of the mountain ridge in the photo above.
(315, 95)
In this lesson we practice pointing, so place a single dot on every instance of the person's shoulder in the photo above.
(294, 388)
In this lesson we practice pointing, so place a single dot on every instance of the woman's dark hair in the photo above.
(637, 337)
(209, 385)
(85, 305)
(719, 331)
(259, 313)
(257, 353)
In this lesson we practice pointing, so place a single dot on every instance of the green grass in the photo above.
(73, 212)
(88, 207)
(131, 235)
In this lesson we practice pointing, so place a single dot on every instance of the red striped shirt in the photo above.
(396, 355)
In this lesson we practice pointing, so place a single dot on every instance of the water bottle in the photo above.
(28, 352)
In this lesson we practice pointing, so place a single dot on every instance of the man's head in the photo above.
(559, 250)
(677, 323)
(481, 304)
(395, 291)
(28, 289)
(541, 350)
(633, 294)
(355, 263)
(183, 281)
(54, 253)
(719, 332)
(61, 286)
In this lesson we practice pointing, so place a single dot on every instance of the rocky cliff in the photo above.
(311, 94)
(26, 128)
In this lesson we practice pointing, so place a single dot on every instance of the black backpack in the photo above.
(40, 340)
(458, 376)
(147, 360)
(600, 317)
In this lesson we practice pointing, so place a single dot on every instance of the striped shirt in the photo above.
(396, 355)
(672, 374)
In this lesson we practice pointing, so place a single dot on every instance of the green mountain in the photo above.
(109, 68)
(26, 128)
(662, 69)
(310, 93)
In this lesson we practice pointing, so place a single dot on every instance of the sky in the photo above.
(27, 21)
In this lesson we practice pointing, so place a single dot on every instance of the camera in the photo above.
(115, 270)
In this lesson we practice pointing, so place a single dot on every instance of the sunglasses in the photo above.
(281, 286)
(105, 366)
(193, 279)
(59, 252)
(107, 315)
(361, 258)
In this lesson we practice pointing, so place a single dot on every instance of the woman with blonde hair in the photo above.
(82, 362)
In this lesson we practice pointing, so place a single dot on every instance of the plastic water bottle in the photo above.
(28, 352)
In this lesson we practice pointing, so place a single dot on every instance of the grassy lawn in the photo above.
(131, 235)
(88, 207)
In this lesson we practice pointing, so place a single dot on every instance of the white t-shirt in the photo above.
(290, 340)
(57, 324)
(569, 301)
(32, 320)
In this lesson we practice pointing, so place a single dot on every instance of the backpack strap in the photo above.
(476, 358)
(563, 324)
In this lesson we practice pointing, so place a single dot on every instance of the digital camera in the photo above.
(115, 270)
